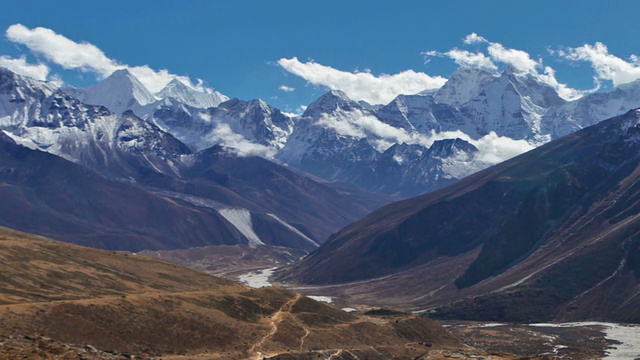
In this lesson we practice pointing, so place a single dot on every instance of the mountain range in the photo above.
(258, 169)
(86, 174)
(415, 144)
(396, 149)
(551, 235)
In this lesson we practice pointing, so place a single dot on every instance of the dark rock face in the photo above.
(555, 231)
(48, 195)
(45, 194)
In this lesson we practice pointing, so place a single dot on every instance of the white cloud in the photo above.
(297, 112)
(239, 144)
(474, 38)
(363, 85)
(56, 80)
(88, 58)
(360, 125)
(286, 88)
(61, 50)
(521, 60)
(492, 149)
(466, 58)
(563, 90)
(156, 80)
(606, 65)
(342, 127)
(204, 116)
(20, 66)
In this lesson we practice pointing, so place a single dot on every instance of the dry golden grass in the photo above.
(123, 303)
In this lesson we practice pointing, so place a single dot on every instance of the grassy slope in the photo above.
(134, 304)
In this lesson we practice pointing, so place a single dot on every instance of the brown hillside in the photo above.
(57, 294)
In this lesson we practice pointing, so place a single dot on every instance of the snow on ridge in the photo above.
(241, 219)
(190, 96)
(290, 227)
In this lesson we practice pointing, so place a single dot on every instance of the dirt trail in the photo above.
(306, 333)
(276, 319)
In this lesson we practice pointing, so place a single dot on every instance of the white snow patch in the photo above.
(241, 219)
(290, 227)
(627, 335)
(257, 279)
(326, 299)
(349, 310)
(488, 325)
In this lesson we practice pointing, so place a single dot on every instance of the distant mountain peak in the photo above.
(173, 85)
(512, 70)
(463, 85)
(330, 102)
(121, 73)
(128, 83)
(10, 82)
(186, 94)
(340, 94)
(119, 92)
(447, 147)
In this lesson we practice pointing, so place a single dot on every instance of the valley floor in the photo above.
(581, 340)
(585, 340)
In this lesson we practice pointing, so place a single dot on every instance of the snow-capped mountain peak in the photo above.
(119, 92)
(340, 94)
(463, 85)
(128, 84)
(182, 92)
(531, 86)
(334, 100)
(22, 85)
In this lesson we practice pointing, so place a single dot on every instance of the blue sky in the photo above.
(234, 46)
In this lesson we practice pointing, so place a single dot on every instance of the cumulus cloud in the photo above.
(20, 66)
(466, 58)
(61, 50)
(519, 60)
(565, 92)
(607, 66)
(204, 116)
(474, 38)
(87, 57)
(286, 88)
(492, 148)
(363, 85)
(361, 125)
(295, 112)
(156, 80)
(239, 144)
